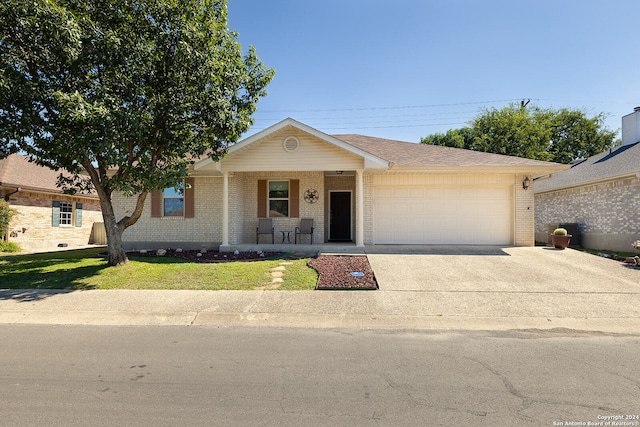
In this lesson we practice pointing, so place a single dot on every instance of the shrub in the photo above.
(7, 213)
(9, 246)
(560, 232)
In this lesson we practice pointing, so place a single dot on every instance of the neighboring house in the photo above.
(356, 189)
(601, 194)
(46, 217)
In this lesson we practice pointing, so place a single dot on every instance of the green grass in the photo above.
(86, 269)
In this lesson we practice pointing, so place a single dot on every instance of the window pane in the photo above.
(279, 189)
(278, 208)
(174, 192)
(174, 207)
(66, 212)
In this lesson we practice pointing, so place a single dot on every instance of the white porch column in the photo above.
(225, 208)
(359, 208)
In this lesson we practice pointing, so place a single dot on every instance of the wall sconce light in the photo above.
(525, 183)
(339, 172)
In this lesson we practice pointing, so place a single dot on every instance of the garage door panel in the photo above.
(443, 215)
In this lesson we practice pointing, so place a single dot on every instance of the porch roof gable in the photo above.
(370, 160)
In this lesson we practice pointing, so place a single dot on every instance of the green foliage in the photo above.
(7, 213)
(131, 91)
(527, 131)
(9, 247)
(560, 232)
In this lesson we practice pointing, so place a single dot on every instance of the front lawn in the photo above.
(86, 269)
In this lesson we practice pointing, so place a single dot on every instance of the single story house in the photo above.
(46, 218)
(358, 189)
(600, 194)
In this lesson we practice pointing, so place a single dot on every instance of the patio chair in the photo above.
(265, 226)
(306, 227)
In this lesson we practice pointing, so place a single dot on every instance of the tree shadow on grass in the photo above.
(32, 277)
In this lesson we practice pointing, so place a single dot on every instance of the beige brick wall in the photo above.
(368, 209)
(524, 234)
(609, 212)
(32, 228)
(204, 230)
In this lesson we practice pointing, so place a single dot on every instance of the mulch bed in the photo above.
(208, 256)
(335, 273)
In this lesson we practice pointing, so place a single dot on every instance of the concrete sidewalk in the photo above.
(416, 310)
(512, 289)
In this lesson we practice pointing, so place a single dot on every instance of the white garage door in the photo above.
(410, 215)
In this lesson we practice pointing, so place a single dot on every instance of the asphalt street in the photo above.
(68, 375)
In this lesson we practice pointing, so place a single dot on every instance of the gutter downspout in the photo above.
(542, 178)
(6, 196)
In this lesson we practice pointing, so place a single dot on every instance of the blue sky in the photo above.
(404, 69)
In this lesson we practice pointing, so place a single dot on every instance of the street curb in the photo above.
(626, 326)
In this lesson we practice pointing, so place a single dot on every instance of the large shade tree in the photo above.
(124, 94)
(524, 130)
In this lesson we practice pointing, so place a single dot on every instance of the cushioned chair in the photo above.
(306, 227)
(265, 226)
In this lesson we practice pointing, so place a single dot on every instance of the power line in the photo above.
(317, 110)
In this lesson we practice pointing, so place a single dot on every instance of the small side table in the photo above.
(287, 234)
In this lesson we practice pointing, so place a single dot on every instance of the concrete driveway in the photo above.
(508, 282)
(482, 269)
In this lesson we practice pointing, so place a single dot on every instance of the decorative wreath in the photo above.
(311, 196)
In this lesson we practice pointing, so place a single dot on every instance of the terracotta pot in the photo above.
(560, 242)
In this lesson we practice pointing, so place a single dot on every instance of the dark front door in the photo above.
(340, 216)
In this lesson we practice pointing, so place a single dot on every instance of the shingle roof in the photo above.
(18, 171)
(409, 154)
(620, 161)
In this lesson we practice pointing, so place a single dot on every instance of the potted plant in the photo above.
(560, 239)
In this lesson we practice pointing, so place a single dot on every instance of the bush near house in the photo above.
(9, 246)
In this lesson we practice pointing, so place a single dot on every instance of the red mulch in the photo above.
(335, 272)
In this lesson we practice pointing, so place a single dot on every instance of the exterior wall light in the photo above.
(525, 183)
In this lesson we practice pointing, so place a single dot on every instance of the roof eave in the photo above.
(534, 170)
(590, 182)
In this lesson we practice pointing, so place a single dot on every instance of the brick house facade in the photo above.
(46, 218)
(366, 190)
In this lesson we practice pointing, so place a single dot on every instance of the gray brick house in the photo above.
(601, 194)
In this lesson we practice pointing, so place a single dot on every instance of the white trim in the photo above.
(359, 208)
(225, 209)
(350, 213)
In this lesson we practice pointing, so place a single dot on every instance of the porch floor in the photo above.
(324, 248)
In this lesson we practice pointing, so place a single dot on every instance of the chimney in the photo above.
(631, 127)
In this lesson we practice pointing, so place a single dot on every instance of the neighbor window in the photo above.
(66, 213)
(62, 214)
(278, 198)
(173, 201)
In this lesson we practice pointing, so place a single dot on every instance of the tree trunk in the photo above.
(117, 254)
